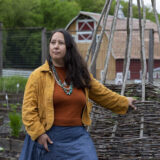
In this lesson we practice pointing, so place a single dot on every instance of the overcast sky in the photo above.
(148, 4)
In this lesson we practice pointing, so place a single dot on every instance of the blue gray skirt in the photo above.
(69, 143)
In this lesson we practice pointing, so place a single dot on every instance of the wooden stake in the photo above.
(108, 53)
(128, 46)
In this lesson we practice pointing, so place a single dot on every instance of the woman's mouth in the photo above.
(56, 53)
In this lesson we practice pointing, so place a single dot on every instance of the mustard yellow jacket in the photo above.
(38, 108)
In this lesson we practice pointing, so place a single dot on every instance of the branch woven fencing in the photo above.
(133, 137)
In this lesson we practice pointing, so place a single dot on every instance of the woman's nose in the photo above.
(56, 44)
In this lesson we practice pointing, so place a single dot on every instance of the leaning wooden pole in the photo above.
(143, 59)
(96, 30)
(1, 49)
(95, 54)
(128, 46)
(105, 14)
(110, 42)
(156, 16)
(127, 41)
(143, 55)
(104, 77)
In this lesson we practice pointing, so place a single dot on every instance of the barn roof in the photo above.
(119, 41)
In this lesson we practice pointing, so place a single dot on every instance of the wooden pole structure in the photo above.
(104, 15)
(128, 46)
(156, 16)
(95, 55)
(1, 50)
(151, 56)
(143, 55)
(143, 58)
(92, 54)
(44, 46)
(95, 31)
(108, 53)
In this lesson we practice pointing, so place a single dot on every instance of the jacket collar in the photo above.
(45, 67)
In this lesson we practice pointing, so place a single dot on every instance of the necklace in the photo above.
(67, 90)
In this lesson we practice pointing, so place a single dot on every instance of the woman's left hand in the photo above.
(131, 102)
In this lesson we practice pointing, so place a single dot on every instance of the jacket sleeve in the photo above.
(107, 98)
(30, 115)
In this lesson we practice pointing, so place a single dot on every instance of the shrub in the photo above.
(15, 123)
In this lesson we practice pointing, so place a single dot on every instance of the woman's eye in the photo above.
(61, 42)
(53, 42)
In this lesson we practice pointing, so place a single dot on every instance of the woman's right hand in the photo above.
(43, 140)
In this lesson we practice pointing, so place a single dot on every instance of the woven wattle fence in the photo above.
(134, 136)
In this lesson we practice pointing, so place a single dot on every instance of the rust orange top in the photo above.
(67, 108)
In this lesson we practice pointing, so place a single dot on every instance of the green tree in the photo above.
(111, 12)
(57, 13)
(19, 13)
(91, 5)
(53, 13)
(149, 13)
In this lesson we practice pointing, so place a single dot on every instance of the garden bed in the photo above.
(11, 146)
(10, 98)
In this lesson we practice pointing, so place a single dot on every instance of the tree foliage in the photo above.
(149, 13)
(46, 13)
(23, 47)
(53, 13)
(91, 5)
(57, 13)
(19, 13)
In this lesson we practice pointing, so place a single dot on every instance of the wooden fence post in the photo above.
(44, 46)
(151, 56)
(1, 50)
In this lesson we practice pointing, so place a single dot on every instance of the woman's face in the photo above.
(57, 49)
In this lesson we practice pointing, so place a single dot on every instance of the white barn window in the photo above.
(85, 30)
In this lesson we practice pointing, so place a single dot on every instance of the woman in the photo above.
(56, 107)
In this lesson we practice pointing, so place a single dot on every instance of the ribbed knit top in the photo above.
(67, 108)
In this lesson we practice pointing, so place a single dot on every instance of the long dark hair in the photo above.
(76, 67)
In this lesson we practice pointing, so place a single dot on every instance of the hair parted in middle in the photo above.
(76, 68)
